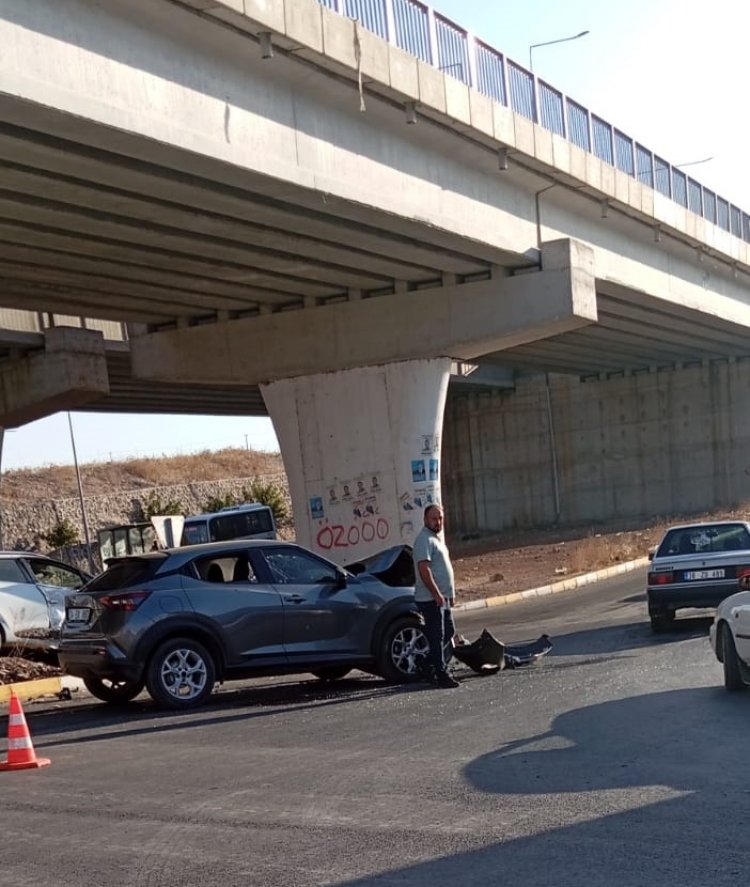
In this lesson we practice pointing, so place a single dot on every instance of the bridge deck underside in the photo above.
(634, 332)
(89, 231)
(167, 239)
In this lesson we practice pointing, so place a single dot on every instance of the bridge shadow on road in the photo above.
(647, 790)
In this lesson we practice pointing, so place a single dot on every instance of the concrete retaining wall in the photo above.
(24, 525)
(665, 442)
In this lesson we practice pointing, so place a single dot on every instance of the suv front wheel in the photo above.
(403, 650)
(181, 674)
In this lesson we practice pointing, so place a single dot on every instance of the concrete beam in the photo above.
(70, 372)
(462, 321)
(481, 375)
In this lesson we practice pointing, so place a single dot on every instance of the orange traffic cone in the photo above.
(21, 754)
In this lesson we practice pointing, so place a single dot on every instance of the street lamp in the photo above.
(691, 163)
(549, 43)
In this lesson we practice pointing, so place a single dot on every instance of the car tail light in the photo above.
(128, 600)
(660, 578)
(743, 577)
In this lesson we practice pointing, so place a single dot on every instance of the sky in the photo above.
(669, 74)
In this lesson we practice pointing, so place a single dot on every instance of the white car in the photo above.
(696, 565)
(32, 598)
(730, 637)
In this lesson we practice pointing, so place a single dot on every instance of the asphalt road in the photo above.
(617, 760)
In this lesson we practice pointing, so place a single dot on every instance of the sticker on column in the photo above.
(427, 443)
(316, 508)
(418, 474)
(346, 494)
(375, 484)
(434, 469)
(405, 500)
(332, 497)
(358, 508)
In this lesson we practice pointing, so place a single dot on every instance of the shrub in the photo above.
(270, 494)
(62, 533)
(216, 503)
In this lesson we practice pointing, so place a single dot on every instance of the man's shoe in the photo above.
(425, 673)
(446, 682)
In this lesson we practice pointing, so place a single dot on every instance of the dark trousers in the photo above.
(438, 627)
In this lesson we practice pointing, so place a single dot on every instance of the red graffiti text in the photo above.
(339, 536)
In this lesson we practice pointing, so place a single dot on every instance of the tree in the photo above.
(63, 533)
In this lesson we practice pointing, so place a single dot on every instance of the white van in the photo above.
(251, 521)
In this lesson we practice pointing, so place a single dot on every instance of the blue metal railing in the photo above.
(453, 49)
(579, 126)
(551, 108)
(412, 28)
(417, 29)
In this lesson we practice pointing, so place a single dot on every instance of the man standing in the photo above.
(434, 590)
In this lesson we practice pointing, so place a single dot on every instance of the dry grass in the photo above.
(100, 478)
(603, 551)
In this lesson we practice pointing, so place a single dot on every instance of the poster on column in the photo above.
(424, 489)
(349, 520)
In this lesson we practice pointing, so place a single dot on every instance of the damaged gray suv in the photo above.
(177, 621)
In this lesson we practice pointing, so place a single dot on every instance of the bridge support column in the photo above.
(361, 448)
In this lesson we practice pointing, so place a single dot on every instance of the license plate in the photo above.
(78, 614)
(696, 575)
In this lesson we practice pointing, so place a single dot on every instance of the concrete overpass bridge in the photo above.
(244, 197)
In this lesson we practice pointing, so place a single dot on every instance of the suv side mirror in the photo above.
(336, 582)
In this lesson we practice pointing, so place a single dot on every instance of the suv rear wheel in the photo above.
(181, 674)
(113, 691)
(403, 649)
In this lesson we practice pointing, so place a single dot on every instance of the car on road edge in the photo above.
(696, 565)
(33, 588)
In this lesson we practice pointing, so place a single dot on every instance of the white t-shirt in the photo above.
(429, 546)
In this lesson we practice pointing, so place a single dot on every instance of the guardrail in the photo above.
(419, 30)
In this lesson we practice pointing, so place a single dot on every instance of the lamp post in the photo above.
(84, 519)
(549, 43)
(691, 163)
